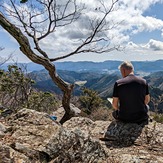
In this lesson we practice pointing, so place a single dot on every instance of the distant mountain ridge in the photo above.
(145, 66)
(101, 82)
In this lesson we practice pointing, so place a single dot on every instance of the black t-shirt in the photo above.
(131, 92)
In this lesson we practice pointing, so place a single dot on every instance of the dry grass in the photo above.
(104, 114)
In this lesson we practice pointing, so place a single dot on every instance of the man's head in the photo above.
(126, 68)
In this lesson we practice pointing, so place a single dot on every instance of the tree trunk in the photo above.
(66, 105)
(67, 92)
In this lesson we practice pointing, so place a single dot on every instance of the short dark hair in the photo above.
(126, 65)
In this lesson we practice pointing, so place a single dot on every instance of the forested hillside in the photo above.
(156, 79)
(102, 83)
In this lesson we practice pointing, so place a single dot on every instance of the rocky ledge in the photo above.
(33, 137)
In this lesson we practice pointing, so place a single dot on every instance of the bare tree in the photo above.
(4, 60)
(37, 20)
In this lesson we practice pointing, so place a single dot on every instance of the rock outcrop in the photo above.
(124, 142)
(32, 137)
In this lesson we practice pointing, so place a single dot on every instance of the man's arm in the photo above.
(147, 99)
(115, 103)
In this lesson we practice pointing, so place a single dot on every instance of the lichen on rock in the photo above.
(31, 136)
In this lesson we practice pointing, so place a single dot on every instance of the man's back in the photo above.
(131, 92)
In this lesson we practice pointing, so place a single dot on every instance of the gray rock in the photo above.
(35, 138)
(60, 112)
(8, 155)
(124, 142)
(2, 130)
(2, 127)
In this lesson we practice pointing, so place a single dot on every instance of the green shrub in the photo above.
(158, 117)
(42, 101)
(15, 87)
(16, 92)
(90, 100)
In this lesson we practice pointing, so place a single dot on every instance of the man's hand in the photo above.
(147, 99)
(115, 103)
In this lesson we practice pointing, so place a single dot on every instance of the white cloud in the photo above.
(131, 45)
(154, 45)
(129, 15)
(162, 33)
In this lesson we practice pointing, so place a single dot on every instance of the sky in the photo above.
(139, 33)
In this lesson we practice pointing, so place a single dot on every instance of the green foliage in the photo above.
(14, 87)
(90, 100)
(42, 101)
(16, 92)
(102, 113)
(158, 117)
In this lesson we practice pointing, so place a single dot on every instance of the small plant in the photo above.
(42, 101)
(90, 100)
(158, 117)
(93, 106)
(16, 92)
(102, 113)
(15, 87)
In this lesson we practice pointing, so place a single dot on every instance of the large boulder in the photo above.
(61, 111)
(2, 130)
(124, 142)
(34, 137)
(31, 136)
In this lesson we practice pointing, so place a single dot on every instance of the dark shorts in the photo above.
(115, 114)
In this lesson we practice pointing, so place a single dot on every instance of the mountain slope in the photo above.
(155, 79)
(102, 83)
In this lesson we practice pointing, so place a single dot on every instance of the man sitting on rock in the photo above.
(130, 96)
